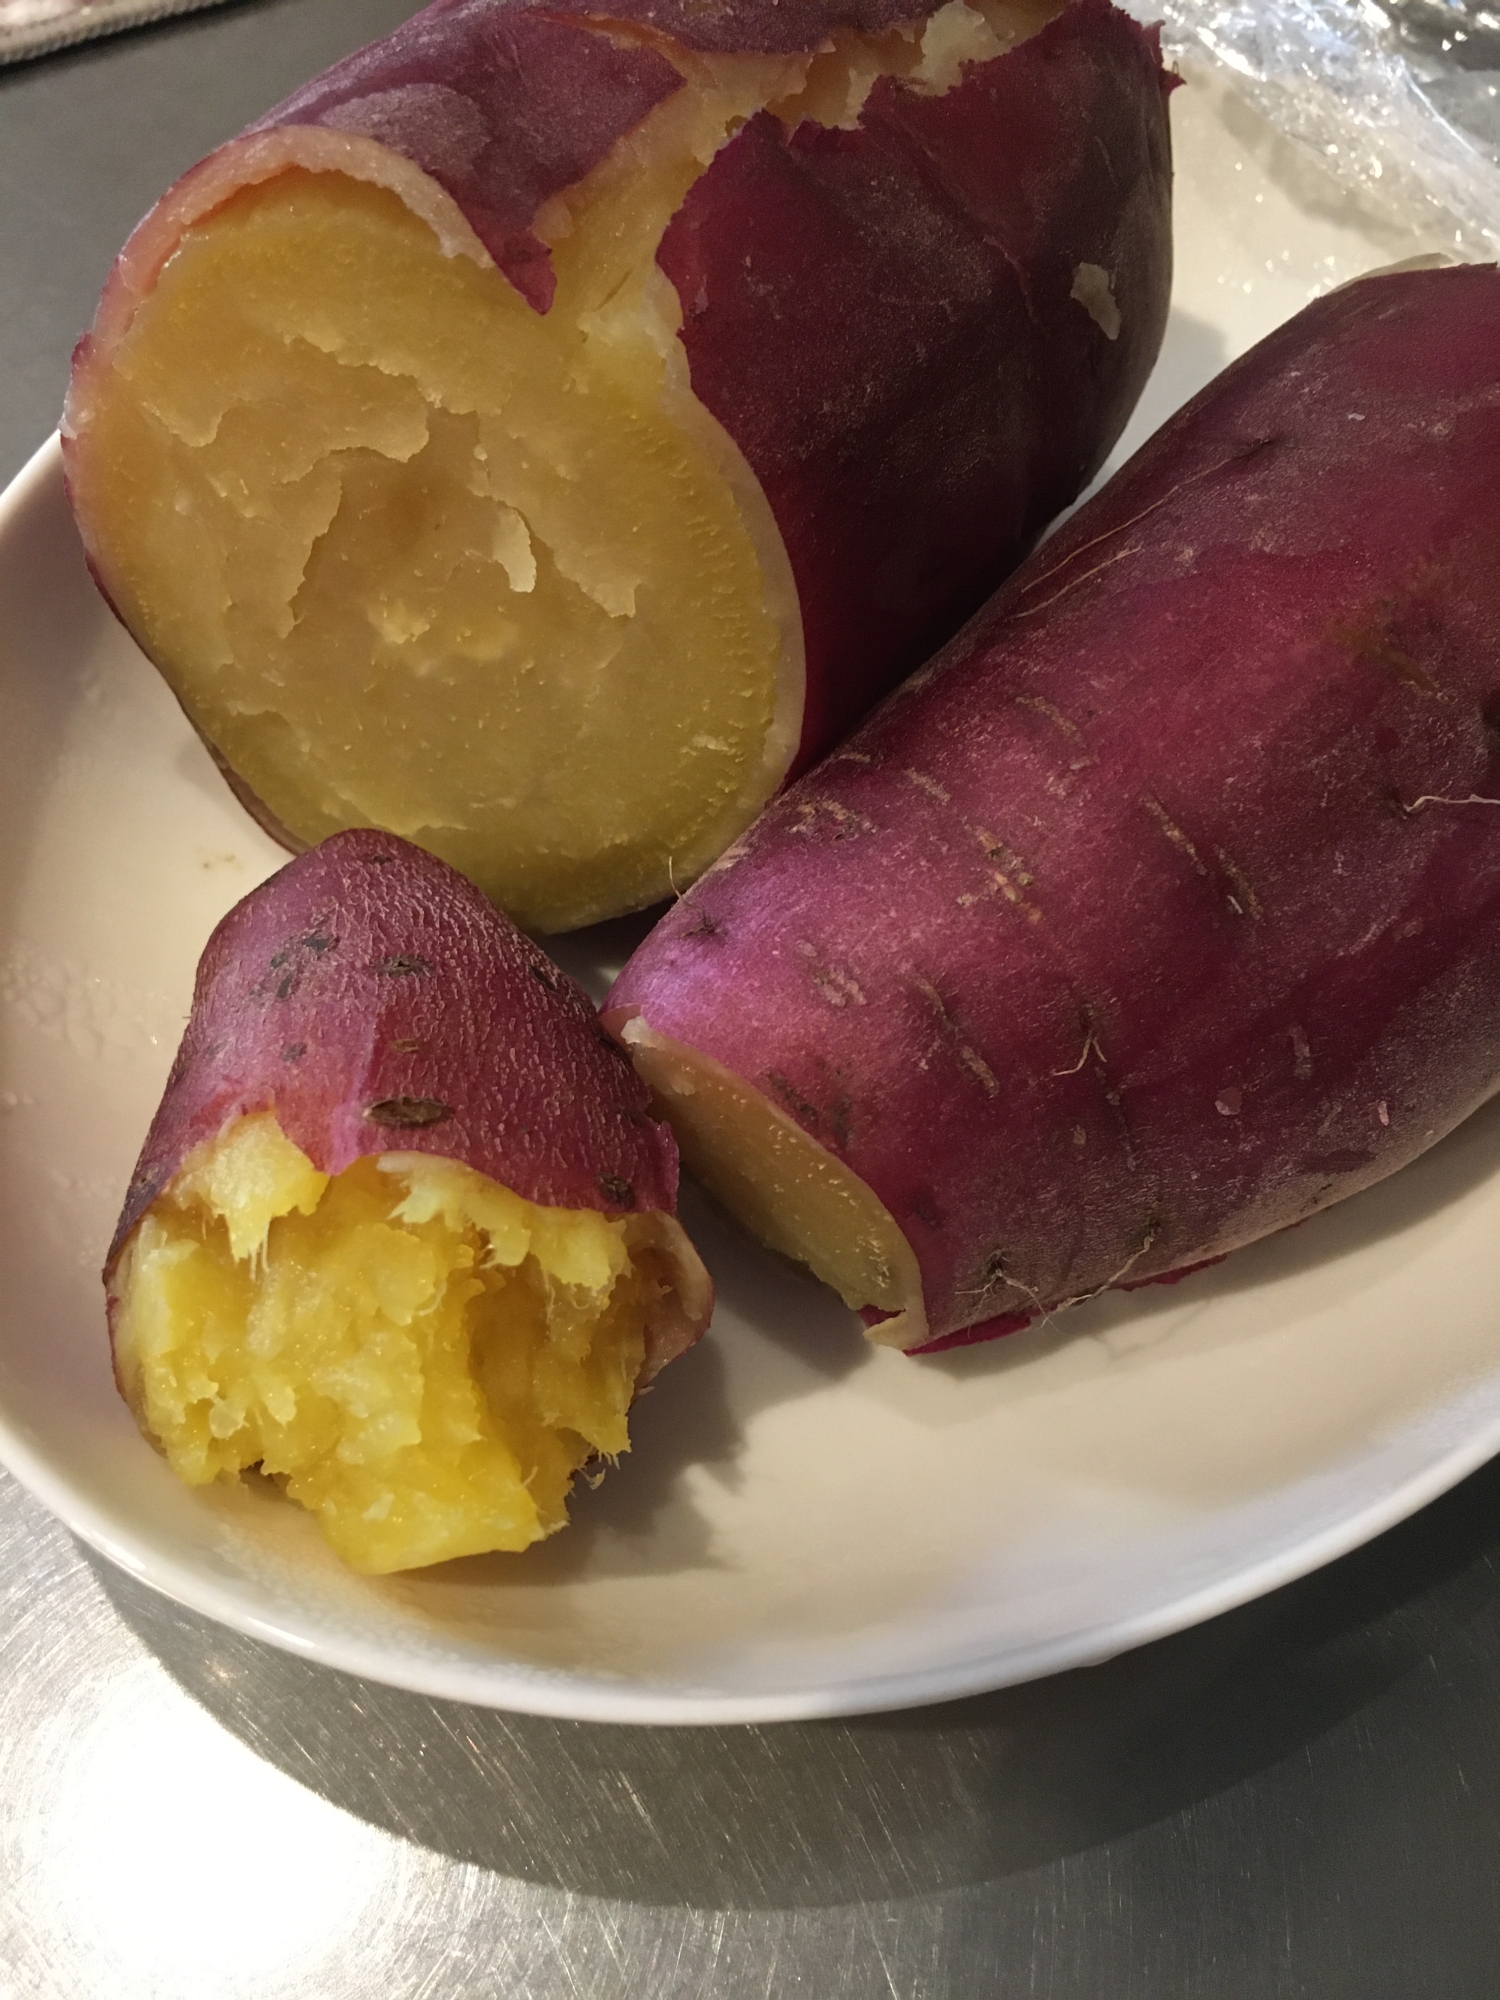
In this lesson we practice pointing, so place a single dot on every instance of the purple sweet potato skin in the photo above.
(1164, 908)
(506, 103)
(503, 105)
(376, 1002)
(926, 392)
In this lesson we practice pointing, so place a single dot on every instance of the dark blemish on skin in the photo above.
(294, 1052)
(287, 987)
(621, 1193)
(1347, 1161)
(1053, 714)
(280, 960)
(404, 965)
(408, 1114)
(409, 1045)
(841, 1120)
(1375, 640)
(1241, 897)
(792, 1098)
(544, 976)
(1174, 832)
(705, 927)
(378, 860)
(319, 942)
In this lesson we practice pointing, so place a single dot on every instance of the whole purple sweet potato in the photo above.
(401, 1234)
(1163, 909)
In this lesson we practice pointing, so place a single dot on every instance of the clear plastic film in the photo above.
(1401, 100)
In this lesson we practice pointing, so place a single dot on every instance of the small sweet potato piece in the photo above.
(547, 427)
(1163, 909)
(401, 1233)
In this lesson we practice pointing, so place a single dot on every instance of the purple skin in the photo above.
(505, 105)
(882, 319)
(1163, 909)
(927, 392)
(376, 1002)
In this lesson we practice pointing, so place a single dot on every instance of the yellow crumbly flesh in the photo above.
(414, 555)
(424, 1359)
(785, 1188)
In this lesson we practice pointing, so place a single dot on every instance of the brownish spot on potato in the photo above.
(799, 1106)
(845, 822)
(1345, 1160)
(404, 965)
(408, 1113)
(1039, 706)
(620, 1192)
(1243, 900)
(1174, 832)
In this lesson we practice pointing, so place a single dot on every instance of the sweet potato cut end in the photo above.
(788, 1190)
(422, 1358)
(390, 529)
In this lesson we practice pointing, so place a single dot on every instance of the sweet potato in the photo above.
(544, 428)
(1164, 908)
(402, 1232)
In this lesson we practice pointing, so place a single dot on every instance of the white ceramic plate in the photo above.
(806, 1526)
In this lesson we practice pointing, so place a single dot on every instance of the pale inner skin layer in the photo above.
(423, 1358)
(414, 555)
(782, 1185)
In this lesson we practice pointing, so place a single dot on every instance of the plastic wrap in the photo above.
(37, 27)
(1401, 100)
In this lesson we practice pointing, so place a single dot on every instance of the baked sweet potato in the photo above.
(401, 1234)
(1163, 909)
(549, 424)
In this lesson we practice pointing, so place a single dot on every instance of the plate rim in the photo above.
(583, 1696)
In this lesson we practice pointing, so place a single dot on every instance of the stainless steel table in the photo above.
(1302, 1799)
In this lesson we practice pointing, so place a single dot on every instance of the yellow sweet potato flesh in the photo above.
(414, 556)
(423, 1358)
(789, 1191)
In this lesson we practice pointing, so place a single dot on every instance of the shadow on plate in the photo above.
(878, 1807)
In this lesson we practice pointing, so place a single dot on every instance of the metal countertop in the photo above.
(1300, 1799)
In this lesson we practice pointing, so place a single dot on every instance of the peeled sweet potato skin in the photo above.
(504, 105)
(884, 320)
(1163, 909)
(376, 1002)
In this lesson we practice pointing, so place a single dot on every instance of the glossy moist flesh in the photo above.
(424, 1359)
